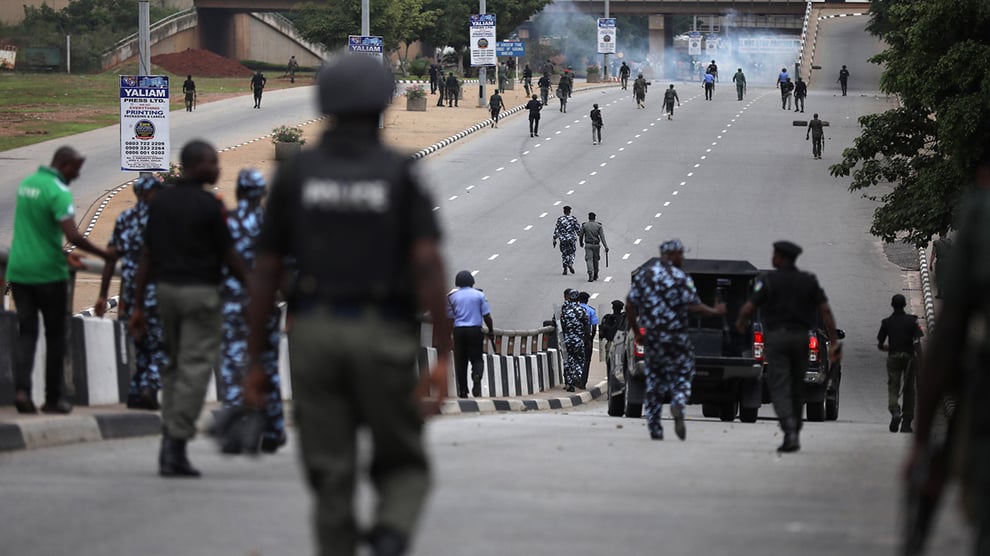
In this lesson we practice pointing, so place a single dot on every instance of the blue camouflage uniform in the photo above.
(128, 240)
(662, 294)
(574, 325)
(245, 226)
(566, 232)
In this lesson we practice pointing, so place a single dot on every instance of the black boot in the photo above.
(386, 541)
(173, 461)
(906, 425)
(895, 422)
(792, 441)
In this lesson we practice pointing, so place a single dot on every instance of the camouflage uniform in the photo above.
(245, 225)
(128, 239)
(662, 293)
(574, 325)
(566, 232)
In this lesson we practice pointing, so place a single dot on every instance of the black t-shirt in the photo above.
(790, 298)
(188, 86)
(187, 235)
(348, 212)
(800, 89)
(534, 107)
(901, 329)
(258, 81)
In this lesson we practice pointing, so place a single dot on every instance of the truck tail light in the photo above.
(813, 348)
(758, 345)
(640, 351)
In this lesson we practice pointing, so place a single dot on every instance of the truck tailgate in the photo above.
(724, 368)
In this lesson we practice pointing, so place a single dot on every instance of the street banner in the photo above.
(483, 40)
(8, 57)
(711, 44)
(369, 45)
(144, 116)
(510, 49)
(694, 43)
(606, 35)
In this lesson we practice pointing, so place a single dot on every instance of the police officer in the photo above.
(468, 308)
(816, 131)
(596, 124)
(354, 305)
(495, 107)
(245, 226)
(125, 245)
(258, 82)
(790, 299)
(740, 80)
(712, 69)
(800, 92)
(442, 88)
(575, 326)
(434, 78)
(708, 82)
(624, 72)
(292, 68)
(534, 107)
(592, 237)
(659, 301)
(189, 90)
(544, 85)
(639, 91)
(669, 97)
(843, 79)
(186, 244)
(589, 342)
(904, 345)
(452, 90)
(566, 232)
(528, 79)
(786, 89)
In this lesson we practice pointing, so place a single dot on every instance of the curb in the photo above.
(49, 431)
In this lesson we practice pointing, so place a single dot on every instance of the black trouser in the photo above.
(787, 361)
(51, 299)
(443, 95)
(468, 342)
(588, 346)
(257, 97)
(433, 85)
(709, 90)
(534, 125)
(843, 84)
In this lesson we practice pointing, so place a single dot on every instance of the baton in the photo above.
(606, 258)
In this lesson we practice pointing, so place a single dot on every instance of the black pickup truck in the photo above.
(729, 366)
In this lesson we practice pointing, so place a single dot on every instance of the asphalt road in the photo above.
(728, 178)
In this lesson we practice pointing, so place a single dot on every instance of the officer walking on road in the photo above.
(659, 301)
(575, 326)
(468, 308)
(258, 82)
(544, 85)
(245, 227)
(903, 349)
(816, 132)
(38, 274)
(495, 107)
(596, 124)
(589, 342)
(624, 72)
(453, 90)
(534, 106)
(790, 299)
(843, 79)
(639, 91)
(189, 91)
(740, 80)
(566, 232)
(434, 78)
(592, 238)
(126, 243)
(186, 244)
(708, 82)
(800, 92)
(354, 305)
(669, 97)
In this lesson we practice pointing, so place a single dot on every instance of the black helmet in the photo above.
(355, 84)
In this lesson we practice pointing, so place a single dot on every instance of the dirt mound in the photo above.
(200, 63)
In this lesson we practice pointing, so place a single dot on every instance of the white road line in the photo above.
(595, 173)
(690, 174)
(630, 142)
(719, 137)
(557, 203)
(645, 129)
(714, 143)
(511, 241)
(648, 228)
(525, 153)
(675, 192)
(500, 168)
(469, 188)
(703, 157)
(666, 203)
(577, 121)
(528, 228)
(725, 130)
(452, 197)
(637, 137)
(436, 209)
(697, 165)
(612, 156)
(638, 241)
(571, 192)
(538, 145)
(549, 138)
(658, 215)
(683, 183)
(582, 182)
(621, 149)
(543, 215)
(603, 164)
(708, 150)
(625, 257)
(475, 272)
(728, 125)
(593, 296)
(493, 257)
(513, 160)
(608, 279)
(568, 126)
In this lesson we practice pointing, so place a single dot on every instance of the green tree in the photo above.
(927, 147)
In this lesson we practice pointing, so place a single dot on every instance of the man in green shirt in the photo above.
(38, 273)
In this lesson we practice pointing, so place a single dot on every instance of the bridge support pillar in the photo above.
(216, 31)
(661, 39)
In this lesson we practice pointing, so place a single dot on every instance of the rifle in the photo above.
(606, 257)
(195, 97)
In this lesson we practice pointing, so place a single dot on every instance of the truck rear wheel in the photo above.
(634, 410)
(709, 410)
(832, 406)
(727, 411)
(748, 414)
(816, 411)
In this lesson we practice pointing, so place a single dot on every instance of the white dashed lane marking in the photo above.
(638, 241)
(608, 279)
(582, 182)
(648, 228)
(452, 197)
(557, 203)
(529, 227)
(511, 241)
(543, 215)
(493, 257)
(475, 272)
(666, 203)
(625, 257)
(571, 192)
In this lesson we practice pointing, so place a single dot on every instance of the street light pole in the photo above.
(144, 38)
(365, 17)
(482, 78)
(605, 55)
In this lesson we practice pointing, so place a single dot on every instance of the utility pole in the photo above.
(482, 81)
(144, 38)
(605, 55)
(365, 17)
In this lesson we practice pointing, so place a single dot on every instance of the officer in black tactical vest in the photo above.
(356, 219)
(900, 336)
(789, 298)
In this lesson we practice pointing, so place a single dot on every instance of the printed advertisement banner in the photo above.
(370, 45)
(694, 43)
(144, 116)
(711, 44)
(606, 35)
(483, 40)
(511, 48)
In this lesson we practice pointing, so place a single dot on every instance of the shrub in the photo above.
(594, 69)
(415, 91)
(419, 67)
(287, 134)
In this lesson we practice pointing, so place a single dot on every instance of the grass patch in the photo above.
(69, 104)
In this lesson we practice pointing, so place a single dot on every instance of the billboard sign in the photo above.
(511, 48)
(144, 123)
(606, 35)
(369, 45)
(482, 38)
